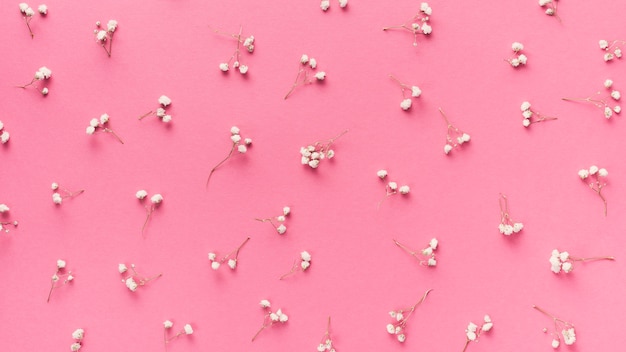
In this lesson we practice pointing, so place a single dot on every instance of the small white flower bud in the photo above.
(156, 199)
(122, 268)
(164, 100)
(168, 324)
(141, 194)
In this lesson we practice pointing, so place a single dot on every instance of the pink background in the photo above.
(357, 274)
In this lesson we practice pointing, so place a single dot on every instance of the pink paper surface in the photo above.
(357, 274)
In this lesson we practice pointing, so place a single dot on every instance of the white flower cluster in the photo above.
(418, 24)
(314, 153)
(454, 137)
(160, 112)
(98, 125)
(612, 50)
(133, 280)
(325, 4)
(247, 43)
(603, 102)
(104, 35)
(78, 336)
(400, 318)
(43, 73)
(326, 344)
(61, 277)
(531, 116)
(28, 13)
(406, 102)
(4, 208)
(561, 261)
(507, 225)
(473, 331)
(168, 324)
(305, 263)
(238, 143)
(597, 183)
(519, 59)
(155, 201)
(4, 225)
(567, 330)
(61, 193)
(425, 256)
(278, 222)
(270, 317)
(232, 261)
(4, 134)
(550, 6)
(308, 65)
(391, 187)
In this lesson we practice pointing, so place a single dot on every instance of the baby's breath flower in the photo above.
(418, 24)
(305, 72)
(246, 42)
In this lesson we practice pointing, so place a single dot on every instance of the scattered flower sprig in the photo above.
(325, 4)
(401, 317)
(61, 277)
(602, 100)
(155, 201)
(270, 317)
(239, 143)
(391, 187)
(105, 35)
(318, 151)
(28, 13)
(473, 331)
(132, 279)
(612, 49)
(232, 261)
(564, 262)
(43, 73)
(247, 43)
(531, 116)
(519, 58)
(4, 134)
(425, 256)
(566, 329)
(307, 69)
(455, 138)
(160, 112)
(167, 325)
(4, 225)
(98, 125)
(418, 24)
(61, 193)
(78, 336)
(597, 183)
(550, 6)
(406, 102)
(278, 222)
(507, 225)
(326, 343)
(303, 265)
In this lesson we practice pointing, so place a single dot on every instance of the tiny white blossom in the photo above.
(517, 46)
(141, 194)
(526, 122)
(23, 6)
(432, 262)
(131, 284)
(517, 227)
(224, 67)
(75, 346)
(243, 69)
(104, 118)
(320, 76)
(4, 208)
(608, 83)
(286, 211)
(617, 109)
(212, 256)
(404, 189)
(567, 267)
(281, 229)
(487, 326)
(381, 173)
(94, 123)
(122, 268)
(522, 59)
(569, 335)
(525, 106)
(215, 265)
(392, 186)
(305, 256)
(426, 28)
(166, 118)
(188, 329)
(168, 324)
(54, 186)
(156, 199)
(111, 26)
(415, 91)
(603, 172)
(433, 243)
(232, 263)
(242, 149)
(616, 95)
(603, 44)
(101, 35)
(78, 334)
(304, 59)
(29, 12)
(43, 9)
(164, 100)
(391, 329)
(555, 343)
(583, 174)
(56, 198)
(61, 263)
(312, 63)
(343, 3)
(406, 104)
(401, 337)
(324, 5)
(305, 265)
(265, 303)
(447, 148)
(4, 137)
(593, 169)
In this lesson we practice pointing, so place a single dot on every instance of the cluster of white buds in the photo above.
(507, 225)
(132, 279)
(307, 69)
(278, 222)
(597, 182)
(391, 187)
(567, 330)
(105, 35)
(247, 43)
(160, 112)
(325, 4)
(602, 101)
(302, 264)
(519, 59)
(61, 193)
(43, 73)
(98, 125)
(78, 336)
(473, 331)
(28, 13)
(425, 256)
(61, 277)
(563, 261)
(550, 6)
(531, 116)
(326, 343)
(155, 201)
(4, 134)
(270, 317)
(454, 136)
(4, 225)
(228, 258)
(612, 49)
(418, 24)
(238, 143)
(312, 154)
(406, 102)
(401, 317)
(167, 326)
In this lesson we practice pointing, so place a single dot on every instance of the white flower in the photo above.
(168, 324)
(4, 137)
(527, 114)
(381, 173)
(550, 11)
(617, 109)
(248, 141)
(466, 137)
(517, 46)
(141, 194)
(281, 229)
(508, 230)
(286, 211)
(583, 174)
(4, 208)
(23, 6)
(43, 9)
(29, 12)
(104, 118)
(232, 263)
(603, 44)
(406, 104)
(404, 189)
(501, 228)
(188, 329)
(215, 265)
(593, 169)
(75, 347)
(305, 265)
(94, 122)
(131, 284)
(56, 198)
(569, 335)
(522, 59)
(164, 100)
(603, 172)
(156, 199)
(160, 112)
(401, 337)
(101, 35)
(616, 94)
(235, 138)
(487, 326)
(392, 186)
(425, 8)
(608, 83)
(608, 57)
(343, 3)
(432, 262)
(274, 316)
(314, 164)
(487, 319)
(283, 318)
(122, 268)
(46, 72)
(312, 63)
(563, 256)
(324, 5)
(447, 148)
(320, 75)
(61, 263)
(265, 303)
(567, 267)
(618, 52)
(555, 343)
(224, 66)
(166, 118)
(426, 28)
(427, 251)
(243, 69)
(433, 243)
(471, 335)
(304, 59)
(305, 256)
(78, 334)
(415, 91)
(391, 329)
(526, 122)
(212, 256)
(514, 62)
(242, 148)
(517, 227)
(111, 26)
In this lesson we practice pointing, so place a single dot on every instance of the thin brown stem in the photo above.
(146, 115)
(293, 270)
(445, 118)
(592, 258)
(467, 342)
(114, 134)
(28, 19)
(145, 223)
(296, 83)
(265, 325)
(27, 84)
(232, 149)
(51, 289)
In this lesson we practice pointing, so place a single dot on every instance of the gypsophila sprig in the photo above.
(61, 193)
(61, 277)
(455, 138)
(313, 154)
(78, 336)
(603, 100)
(160, 112)
(595, 177)
(301, 264)
(425, 256)
(325, 4)
(550, 8)
(4, 134)
(519, 59)
(230, 258)
(564, 262)
(238, 143)
(155, 201)
(41, 75)
(168, 325)
(565, 328)
(278, 222)
(612, 50)
(326, 343)
(415, 92)
(5, 225)
(104, 36)
(418, 24)
(306, 73)
(531, 116)
(401, 317)
(99, 125)
(132, 279)
(270, 317)
(235, 59)
(28, 13)
(473, 331)
(391, 187)
(507, 225)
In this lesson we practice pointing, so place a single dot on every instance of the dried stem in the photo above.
(149, 211)
(146, 115)
(296, 83)
(232, 149)
(270, 220)
(236, 251)
(108, 130)
(27, 84)
(596, 102)
(591, 258)
(28, 19)
(293, 270)
(267, 321)
(467, 342)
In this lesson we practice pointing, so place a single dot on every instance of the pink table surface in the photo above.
(357, 273)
